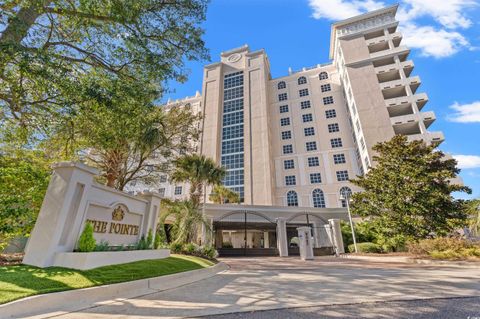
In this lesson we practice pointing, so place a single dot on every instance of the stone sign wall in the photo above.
(72, 199)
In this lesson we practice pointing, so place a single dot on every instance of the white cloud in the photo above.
(467, 161)
(466, 113)
(438, 40)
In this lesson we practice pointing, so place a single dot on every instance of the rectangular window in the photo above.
(309, 131)
(161, 192)
(232, 80)
(233, 118)
(336, 142)
(232, 132)
(232, 146)
(234, 93)
(283, 108)
(330, 114)
(358, 125)
(286, 135)
(325, 87)
(305, 105)
(287, 149)
(282, 97)
(313, 161)
(315, 178)
(234, 178)
(285, 121)
(342, 176)
(163, 178)
(311, 146)
(233, 161)
(339, 158)
(333, 128)
(178, 190)
(288, 164)
(303, 92)
(232, 106)
(362, 142)
(328, 100)
(307, 117)
(290, 180)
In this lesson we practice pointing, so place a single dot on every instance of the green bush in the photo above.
(142, 243)
(445, 248)
(365, 248)
(87, 243)
(227, 244)
(209, 252)
(149, 241)
(157, 241)
(102, 246)
(176, 248)
(189, 248)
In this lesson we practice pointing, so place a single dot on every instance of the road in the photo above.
(324, 288)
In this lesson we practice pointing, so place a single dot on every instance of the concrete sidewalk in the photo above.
(274, 283)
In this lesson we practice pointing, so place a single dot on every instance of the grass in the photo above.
(22, 281)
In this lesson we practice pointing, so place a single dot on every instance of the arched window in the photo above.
(302, 80)
(281, 85)
(323, 76)
(345, 192)
(292, 198)
(318, 198)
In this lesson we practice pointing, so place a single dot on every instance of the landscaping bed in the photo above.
(21, 281)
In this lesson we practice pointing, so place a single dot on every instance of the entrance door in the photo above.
(245, 234)
(320, 237)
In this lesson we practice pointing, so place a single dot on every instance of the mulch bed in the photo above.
(11, 259)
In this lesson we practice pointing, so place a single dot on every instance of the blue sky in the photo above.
(444, 36)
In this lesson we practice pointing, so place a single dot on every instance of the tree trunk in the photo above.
(18, 27)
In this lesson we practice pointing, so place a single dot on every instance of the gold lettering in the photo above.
(117, 228)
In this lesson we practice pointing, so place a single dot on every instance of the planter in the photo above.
(84, 261)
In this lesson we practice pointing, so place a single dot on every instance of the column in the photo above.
(337, 235)
(266, 240)
(282, 237)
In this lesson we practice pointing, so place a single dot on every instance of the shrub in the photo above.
(87, 243)
(102, 246)
(176, 248)
(209, 252)
(445, 248)
(149, 241)
(142, 243)
(365, 248)
(190, 248)
(227, 244)
(157, 241)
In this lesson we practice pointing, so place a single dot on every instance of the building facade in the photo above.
(296, 140)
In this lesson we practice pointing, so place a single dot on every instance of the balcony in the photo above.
(402, 51)
(405, 120)
(420, 99)
(388, 65)
(413, 82)
(429, 137)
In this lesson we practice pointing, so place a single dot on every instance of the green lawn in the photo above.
(21, 281)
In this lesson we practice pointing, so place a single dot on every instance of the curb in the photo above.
(54, 304)
(411, 260)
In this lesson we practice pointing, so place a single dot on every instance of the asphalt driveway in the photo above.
(285, 284)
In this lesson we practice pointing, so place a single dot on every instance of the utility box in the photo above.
(306, 243)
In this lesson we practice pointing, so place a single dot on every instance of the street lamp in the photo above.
(346, 197)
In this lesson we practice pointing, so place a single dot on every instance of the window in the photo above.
(232, 106)
(232, 146)
(323, 76)
(302, 80)
(292, 198)
(288, 164)
(286, 135)
(309, 131)
(313, 161)
(336, 142)
(282, 97)
(305, 105)
(234, 93)
(345, 192)
(362, 142)
(281, 85)
(231, 132)
(234, 178)
(325, 87)
(307, 117)
(303, 92)
(315, 178)
(283, 108)
(233, 118)
(333, 128)
(318, 198)
(161, 192)
(163, 178)
(339, 159)
(233, 161)
(328, 100)
(358, 125)
(290, 180)
(311, 146)
(330, 114)
(178, 190)
(285, 121)
(287, 149)
(342, 176)
(232, 80)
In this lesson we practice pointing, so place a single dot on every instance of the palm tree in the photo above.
(222, 195)
(198, 171)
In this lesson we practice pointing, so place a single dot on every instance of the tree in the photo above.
(198, 171)
(221, 195)
(186, 218)
(409, 190)
(24, 177)
(473, 211)
(46, 46)
(120, 131)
